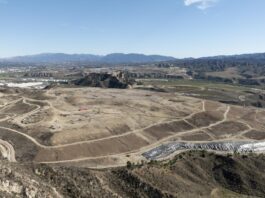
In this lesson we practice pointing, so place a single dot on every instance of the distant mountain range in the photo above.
(110, 58)
(253, 56)
(118, 58)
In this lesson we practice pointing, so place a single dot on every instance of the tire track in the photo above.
(7, 151)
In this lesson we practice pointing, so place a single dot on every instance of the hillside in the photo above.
(189, 174)
(246, 69)
(102, 80)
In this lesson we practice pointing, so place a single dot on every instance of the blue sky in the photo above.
(180, 28)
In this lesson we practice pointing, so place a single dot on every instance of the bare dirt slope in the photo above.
(107, 127)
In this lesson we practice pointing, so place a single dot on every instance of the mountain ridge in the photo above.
(122, 58)
(109, 58)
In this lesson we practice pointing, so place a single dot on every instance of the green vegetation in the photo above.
(199, 84)
(217, 91)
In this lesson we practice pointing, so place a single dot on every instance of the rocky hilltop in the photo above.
(117, 80)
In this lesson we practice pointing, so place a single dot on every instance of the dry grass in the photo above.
(85, 125)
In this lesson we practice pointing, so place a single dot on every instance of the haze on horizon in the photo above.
(179, 28)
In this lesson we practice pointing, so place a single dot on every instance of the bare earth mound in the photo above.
(108, 127)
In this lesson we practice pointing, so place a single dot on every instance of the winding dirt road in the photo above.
(8, 151)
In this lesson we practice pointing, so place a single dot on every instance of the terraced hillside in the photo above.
(102, 128)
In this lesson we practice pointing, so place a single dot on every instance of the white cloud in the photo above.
(201, 4)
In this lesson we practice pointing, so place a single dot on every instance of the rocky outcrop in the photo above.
(16, 181)
(104, 80)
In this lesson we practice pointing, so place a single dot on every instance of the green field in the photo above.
(227, 93)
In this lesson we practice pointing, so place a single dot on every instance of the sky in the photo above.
(179, 28)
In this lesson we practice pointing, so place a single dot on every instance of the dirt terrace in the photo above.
(108, 127)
